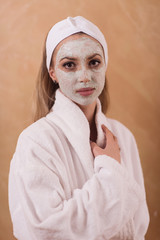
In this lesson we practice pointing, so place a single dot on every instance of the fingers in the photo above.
(95, 149)
(109, 135)
(115, 138)
(105, 129)
(93, 144)
(111, 148)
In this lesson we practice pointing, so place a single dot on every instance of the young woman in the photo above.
(75, 174)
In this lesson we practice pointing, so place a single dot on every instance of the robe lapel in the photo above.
(72, 121)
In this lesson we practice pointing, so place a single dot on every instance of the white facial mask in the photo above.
(74, 83)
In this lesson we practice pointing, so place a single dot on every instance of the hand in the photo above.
(111, 149)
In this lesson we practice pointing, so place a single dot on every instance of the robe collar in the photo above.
(72, 121)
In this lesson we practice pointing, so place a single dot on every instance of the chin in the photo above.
(86, 104)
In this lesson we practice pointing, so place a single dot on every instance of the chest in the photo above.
(74, 172)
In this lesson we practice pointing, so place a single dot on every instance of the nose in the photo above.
(84, 76)
(85, 80)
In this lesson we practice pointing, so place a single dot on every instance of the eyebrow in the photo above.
(69, 58)
(94, 55)
(73, 59)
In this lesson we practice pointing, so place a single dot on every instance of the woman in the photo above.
(76, 174)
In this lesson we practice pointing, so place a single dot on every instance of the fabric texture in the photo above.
(58, 191)
(69, 26)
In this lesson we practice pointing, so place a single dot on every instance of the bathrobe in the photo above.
(59, 191)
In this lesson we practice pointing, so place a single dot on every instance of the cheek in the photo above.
(99, 76)
(64, 76)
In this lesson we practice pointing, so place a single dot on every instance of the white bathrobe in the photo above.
(59, 191)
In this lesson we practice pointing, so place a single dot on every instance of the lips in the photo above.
(85, 91)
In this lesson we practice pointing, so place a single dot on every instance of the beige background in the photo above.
(132, 30)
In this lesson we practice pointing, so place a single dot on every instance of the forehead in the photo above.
(74, 42)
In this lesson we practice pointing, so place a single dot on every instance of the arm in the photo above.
(140, 220)
(105, 203)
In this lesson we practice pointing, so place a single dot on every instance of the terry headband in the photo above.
(69, 26)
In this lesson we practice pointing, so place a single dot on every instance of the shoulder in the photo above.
(126, 140)
(118, 127)
(121, 131)
(42, 132)
(128, 146)
(39, 142)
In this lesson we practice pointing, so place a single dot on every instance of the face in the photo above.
(79, 68)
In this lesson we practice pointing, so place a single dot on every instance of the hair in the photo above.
(46, 88)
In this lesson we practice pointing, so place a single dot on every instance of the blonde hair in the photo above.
(46, 88)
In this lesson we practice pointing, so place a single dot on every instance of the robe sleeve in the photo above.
(98, 210)
(141, 217)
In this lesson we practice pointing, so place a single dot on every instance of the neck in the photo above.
(90, 111)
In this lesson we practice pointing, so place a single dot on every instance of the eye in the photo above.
(69, 65)
(94, 63)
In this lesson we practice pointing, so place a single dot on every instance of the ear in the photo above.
(53, 75)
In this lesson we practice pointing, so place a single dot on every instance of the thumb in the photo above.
(94, 148)
(93, 145)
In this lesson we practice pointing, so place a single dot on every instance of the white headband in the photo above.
(69, 26)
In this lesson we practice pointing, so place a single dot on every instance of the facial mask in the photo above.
(85, 82)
